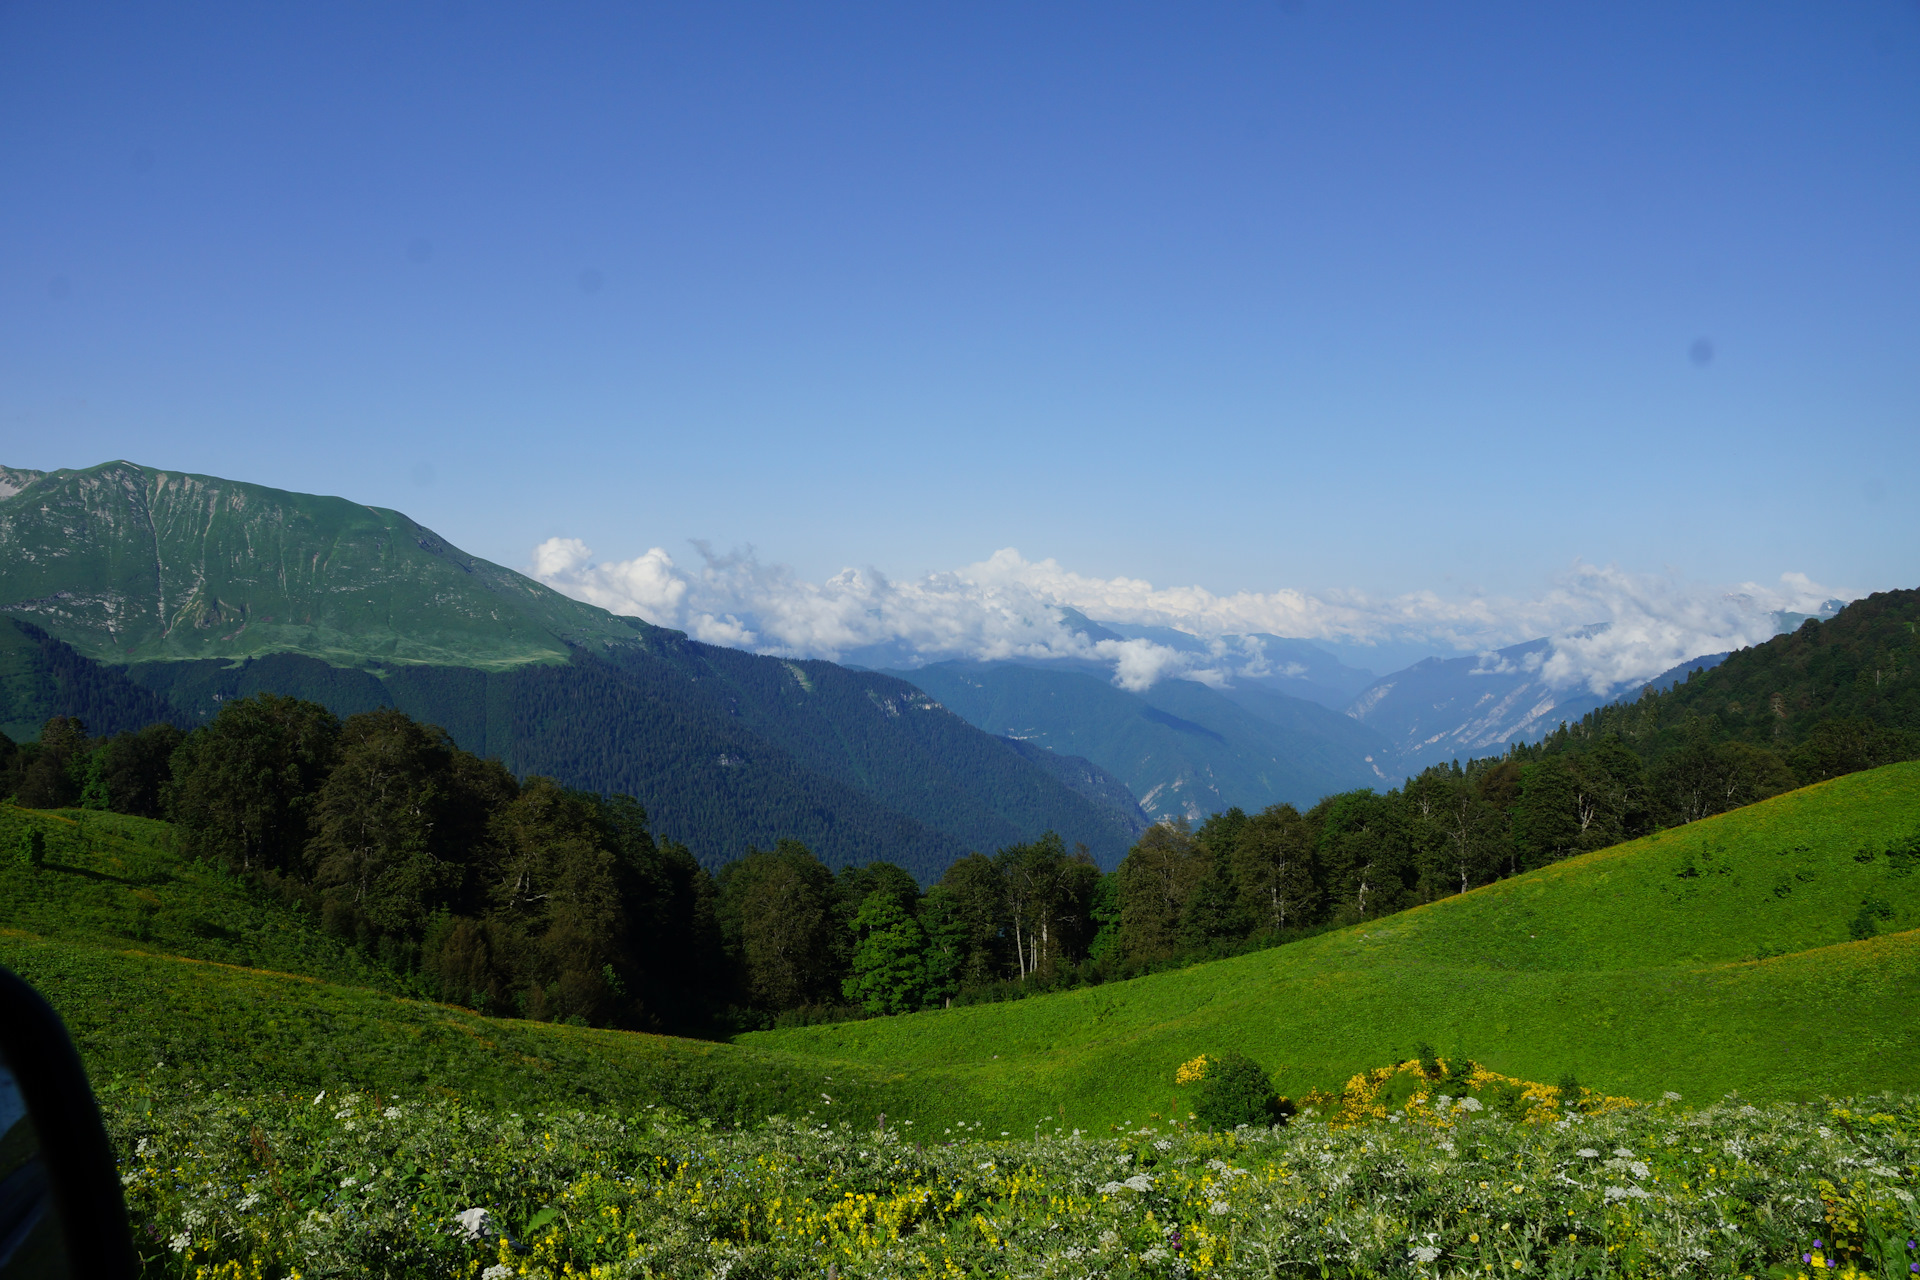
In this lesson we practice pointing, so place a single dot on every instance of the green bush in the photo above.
(1235, 1091)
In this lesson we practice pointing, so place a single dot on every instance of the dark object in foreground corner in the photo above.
(61, 1213)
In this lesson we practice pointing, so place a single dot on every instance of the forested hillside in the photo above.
(138, 595)
(1768, 950)
(1825, 699)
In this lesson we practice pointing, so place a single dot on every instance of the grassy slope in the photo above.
(169, 970)
(129, 563)
(1613, 964)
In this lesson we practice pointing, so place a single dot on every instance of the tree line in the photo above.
(522, 897)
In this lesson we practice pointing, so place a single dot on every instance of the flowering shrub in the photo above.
(1233, 1091)
(1414, 1086)
(239, 1185)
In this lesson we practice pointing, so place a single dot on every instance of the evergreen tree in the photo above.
(1547, 821)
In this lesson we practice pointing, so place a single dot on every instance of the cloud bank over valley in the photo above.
(1610, 629)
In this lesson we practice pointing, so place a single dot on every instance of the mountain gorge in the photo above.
(151, 589)
(1185, 749)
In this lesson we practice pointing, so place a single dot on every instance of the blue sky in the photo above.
(1382, 298)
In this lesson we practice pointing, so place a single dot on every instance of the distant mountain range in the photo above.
(134, 593)
(1306, 726)
(1186, 750)
(128, 590)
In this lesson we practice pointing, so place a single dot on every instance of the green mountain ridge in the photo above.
(1860, 666)
(130, 564)
(191, 590)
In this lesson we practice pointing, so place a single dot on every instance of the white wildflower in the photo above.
(1625, 1193)
(180, 1242)
(1424, 1253)
(1623, 1153)
(498, 1271)
(391, 1113)
(1219, 1206)
(987, 1165)
(1638, 1168)
(1163, 1145)
(1471, 1104)
(1155, 1254)
(1671, 1096)
(1587, 1153)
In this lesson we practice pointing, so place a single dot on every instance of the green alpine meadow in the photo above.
(841, 641)
(1729, 997)
(412, 918)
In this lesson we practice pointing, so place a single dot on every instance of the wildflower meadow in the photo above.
(262, 1185)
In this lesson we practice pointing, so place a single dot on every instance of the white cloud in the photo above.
(1009, 607)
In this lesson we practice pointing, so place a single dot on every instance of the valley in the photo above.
(526, 869)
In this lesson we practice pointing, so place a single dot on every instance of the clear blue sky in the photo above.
(1249, 295)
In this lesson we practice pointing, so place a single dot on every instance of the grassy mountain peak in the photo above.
(129, 563)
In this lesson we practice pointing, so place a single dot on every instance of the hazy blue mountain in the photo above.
(1445, 709)
(1296, 668)
(1184, 749)
(193, 589)
(1090, 780)
(1455, 708)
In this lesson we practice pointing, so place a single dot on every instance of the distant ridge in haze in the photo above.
(1185, 749)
